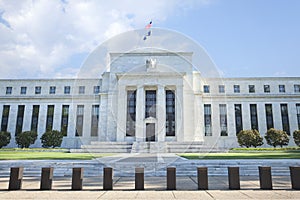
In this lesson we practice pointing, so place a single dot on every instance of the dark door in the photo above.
(150, 132)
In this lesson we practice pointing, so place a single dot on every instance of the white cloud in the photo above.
(42, 35)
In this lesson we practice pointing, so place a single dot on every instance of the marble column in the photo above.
(161, 113)
(140, 114)
(179, 107)
(121, 117)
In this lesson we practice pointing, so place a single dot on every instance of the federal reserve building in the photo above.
(150, 100)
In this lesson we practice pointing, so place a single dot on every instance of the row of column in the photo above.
(140, 131)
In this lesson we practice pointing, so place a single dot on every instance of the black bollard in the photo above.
(15, 180)
(46, 178)
(202, 178)
(171, 178)
(77, 178)
(107, 178)
(265, 178)
(234, 178)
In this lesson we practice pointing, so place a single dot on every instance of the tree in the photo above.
(296, 136)
(25, 139)
(4, 138)
(52, 139)
(276, 137)
(249, 138)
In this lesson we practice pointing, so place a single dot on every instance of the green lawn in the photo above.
(244, 155)
(46, 155)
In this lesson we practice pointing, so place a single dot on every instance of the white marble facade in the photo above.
(150, 71)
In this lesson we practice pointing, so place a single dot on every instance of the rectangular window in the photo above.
(251, 88)
(269, 116)
(281, 88)
(20, 117)
(206, 88)
(221, 88)
(95, 120)
(298, 114)
(96, 89)
(207, 120)
(170, 113)
(23, 90)
(67, 89)
(253, 117)
(64, 119)
(223, 119)
(297, 88)
(5, 115)
(52, 90)
(79, 120)
(35, 118)
(236, 89)
(267, 89)
(8, 90)
(131, 113)
(238, 118)
(285, 118)
(81, 89)
(38, 90)
(150, 108)
(49, 120)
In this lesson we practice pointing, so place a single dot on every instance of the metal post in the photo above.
(139, 178)
(46, 178)
(295, 177)
(77, 177)
(202, 178)
(265, 178)
(234, 178)
(15, 180)
(171, 178)
(107, 178)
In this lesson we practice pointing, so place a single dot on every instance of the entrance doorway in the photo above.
(150, 132)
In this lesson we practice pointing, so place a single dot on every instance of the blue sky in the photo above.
(245, 38)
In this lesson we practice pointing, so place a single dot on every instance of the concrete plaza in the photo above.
(155, 181)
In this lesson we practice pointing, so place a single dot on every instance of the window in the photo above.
(20, 117)
(285, 118)
(298, 114)
(38, 90)
(297, 88)
(238, 118)
(251, 88)
(95, 120)
(281, 88)
(67, 89)
(150, 110)
(23, 90)
(223, 119)
(79, 120)
(266, 88)
(64, 119)
(8, 90)
(96, 89)
(49, 120)
(81, 89)
(35, 118)
(131, 111)
(207, 120)
(206, 88)
(236, 89)
(52, 90)
(221, 88)
(170, 113)
(5, 115)
(253, 117)
(269, 116)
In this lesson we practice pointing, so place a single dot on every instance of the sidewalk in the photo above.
(155, 188)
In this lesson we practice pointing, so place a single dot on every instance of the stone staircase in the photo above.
(146, 147)
(104, 147)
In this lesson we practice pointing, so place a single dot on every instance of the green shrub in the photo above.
(296, 136)
(277, 138)
(249, 138)
(25, 139)
(4, 138)
(52, 139)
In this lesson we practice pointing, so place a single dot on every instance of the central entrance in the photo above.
(150, 132)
